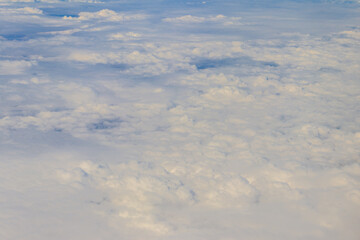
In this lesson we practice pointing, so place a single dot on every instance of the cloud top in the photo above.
(194, 19)
(129, 120)
(106, 15)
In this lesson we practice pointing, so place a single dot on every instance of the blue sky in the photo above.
(179, 120)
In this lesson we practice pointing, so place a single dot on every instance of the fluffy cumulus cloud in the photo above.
(179, 120)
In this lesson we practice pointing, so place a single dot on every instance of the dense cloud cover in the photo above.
(179, 120)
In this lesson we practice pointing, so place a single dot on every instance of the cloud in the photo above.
(185, 19)
(30, 11)
(154, 60)
(106, 15)
(154, 129)
(194, 19)
(24, 10)
(50, 1)
(8, 67)
(124, 36)
(10, 15)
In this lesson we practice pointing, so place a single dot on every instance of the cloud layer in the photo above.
(207, 122)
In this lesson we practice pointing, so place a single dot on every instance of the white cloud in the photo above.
(185, 19)
(106, 15)
(49, 1)
(194, 19)
(14, 67)
(149, 130)
(21, 11)
(10, 15)
(124, 36)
